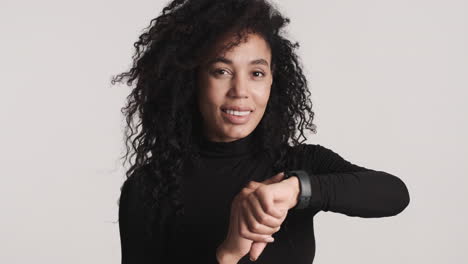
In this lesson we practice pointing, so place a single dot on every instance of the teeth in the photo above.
(237, 113)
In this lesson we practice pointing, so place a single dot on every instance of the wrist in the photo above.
(294, 184)
(225, 257)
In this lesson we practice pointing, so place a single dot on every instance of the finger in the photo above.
(256, 250)
(254, 225)
(244, 193)
(235, 215)
(253, 185)
(266, 200)
(234, 205)
(245, 233)
(277, 178)
(260, 216)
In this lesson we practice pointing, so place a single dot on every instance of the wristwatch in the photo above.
(305, 192)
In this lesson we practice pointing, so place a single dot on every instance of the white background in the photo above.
(389, 82)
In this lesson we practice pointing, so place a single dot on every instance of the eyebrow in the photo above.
(228, 61)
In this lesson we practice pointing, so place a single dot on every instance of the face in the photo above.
(234, 88)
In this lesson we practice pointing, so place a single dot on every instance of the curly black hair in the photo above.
(162, 117)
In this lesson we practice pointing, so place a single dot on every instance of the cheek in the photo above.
(214, 93)
(212, 98)
(210, 102)
(261, 96)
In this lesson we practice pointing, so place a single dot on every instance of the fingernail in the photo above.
(251, 259)
(269, 239)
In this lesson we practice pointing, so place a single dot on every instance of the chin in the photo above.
(239, 132)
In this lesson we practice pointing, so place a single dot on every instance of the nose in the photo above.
(239, 87)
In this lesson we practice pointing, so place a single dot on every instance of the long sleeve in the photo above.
(343, 187)
(136, 246)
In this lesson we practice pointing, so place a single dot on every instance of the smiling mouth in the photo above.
(236, 117)
(236, 113)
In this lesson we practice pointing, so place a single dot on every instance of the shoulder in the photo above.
(129, 196)
(128, 185)
(133, 213)
(136, 200)
(131, 188)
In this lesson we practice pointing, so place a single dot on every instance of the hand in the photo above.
(265, 208)
(235, 246)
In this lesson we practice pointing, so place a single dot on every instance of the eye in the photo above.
(260, 73)
(219, 72)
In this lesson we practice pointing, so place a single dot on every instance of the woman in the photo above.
(220, 95)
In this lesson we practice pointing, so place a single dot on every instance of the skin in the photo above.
(256, 213)
(242, 76)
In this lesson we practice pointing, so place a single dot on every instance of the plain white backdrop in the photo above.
(389, 84)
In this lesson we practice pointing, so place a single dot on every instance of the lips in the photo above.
(236, 119)
(236, 108)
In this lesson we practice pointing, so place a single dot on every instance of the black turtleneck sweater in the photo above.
(226, 167)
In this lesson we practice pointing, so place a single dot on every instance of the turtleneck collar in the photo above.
(242, 146)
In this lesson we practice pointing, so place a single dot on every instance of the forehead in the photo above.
(252, 48)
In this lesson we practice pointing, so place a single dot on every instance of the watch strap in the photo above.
(305, 187)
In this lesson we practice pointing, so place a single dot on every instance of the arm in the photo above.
(342, 187)
(223, 257)
(136, 246)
